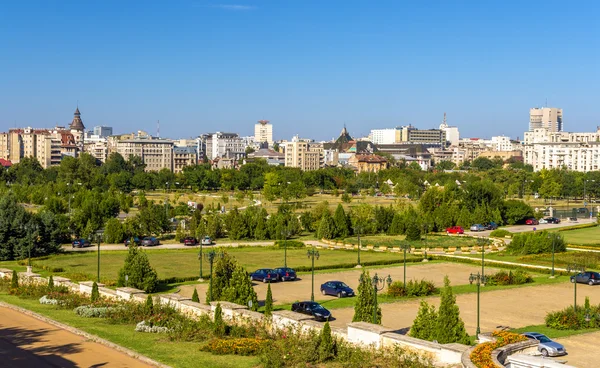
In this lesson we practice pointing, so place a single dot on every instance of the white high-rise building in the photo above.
(550, 118)
(385, 136)
(452, 134)
(263, 132)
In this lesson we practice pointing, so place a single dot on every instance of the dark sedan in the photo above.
(81, 243)
(136, 241)
(312, 309)
(552, 220)
(590, 278)
(264, 275)
(150, 241)
(336, 288)
(285, 274)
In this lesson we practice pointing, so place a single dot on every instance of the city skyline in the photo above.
(309, 68)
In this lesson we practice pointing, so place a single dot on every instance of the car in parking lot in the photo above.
(455, 230)
(477, 227)
(552, 220)
(264, 275)
(490, 225)
(206, 240)
(589, 277)
(285, 274)
(336, 288)
(150, 241)
(542, 221)
(190, 240)
(546, 346)
(81, 243)
(532, 221)
(136, 241)
(312, 309)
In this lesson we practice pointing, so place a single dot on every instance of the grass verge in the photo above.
(552, 333)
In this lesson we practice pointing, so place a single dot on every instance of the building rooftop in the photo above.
(184, 150)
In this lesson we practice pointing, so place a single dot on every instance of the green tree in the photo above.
(50, 283)
(149, 307)
(341, 222)
(222, 274)
(365, 301)
(95, 293)
(413, 233)
(113, 231)
(14, 282)
(326, 227)
(449, 326)
(326, 345)
(424, 325)
(218, 323)
(195, 297)
(138, 270)
(240, 290)
(269, 302)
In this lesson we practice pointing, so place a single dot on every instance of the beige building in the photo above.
(368, 163)
(184, 156)
(263, 132)
(302, 154)
(549, 118)
(157, 154)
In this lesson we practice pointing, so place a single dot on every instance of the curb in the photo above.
(88, 336)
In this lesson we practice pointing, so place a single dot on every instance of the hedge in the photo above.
(576, 227)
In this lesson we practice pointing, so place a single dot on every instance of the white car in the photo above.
(543, 221)
(207, 240)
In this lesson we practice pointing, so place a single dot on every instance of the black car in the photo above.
(552, 220)
(136, 241)
(490, 225)
(590, 278)
(312, 309)
(285, 274)
(336, 288)
(264, 275)
(81, 243)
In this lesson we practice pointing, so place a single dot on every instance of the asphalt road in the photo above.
(524, 228)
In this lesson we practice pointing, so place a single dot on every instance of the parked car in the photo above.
(490, 225)
(136, 241)
(532, 221)
(285, 274)
(336, 288)
(312, 309)
(455, 230)
(552, 220)
(547, 347)
(572, 219)
(264, 275)
(543, 221)
(150, 241)
(190, 240)
(477, 227)
(207, 240)
(590, 278)
(81, 243)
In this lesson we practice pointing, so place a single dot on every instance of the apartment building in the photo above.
(220, 144)
(103, 131)
(503, 143)
(550, 118)
(184, 156)
(385, 136)
(263, 132)
(303, 154)
(368, 163)
(157, 154)
(546, 149)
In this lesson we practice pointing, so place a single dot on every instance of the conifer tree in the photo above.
(14, 282)
(149, 305)
(95, 293)
(326, 346)
(341, 222)
(450, 327)
(195, 297)
(240, 289)
(50, 283)
(222, 274)
(413, 232)
(326, 227)
(140, 274)
(218, 323)
(365, 301)
(269, 302)
(397, 226)
(424, 325)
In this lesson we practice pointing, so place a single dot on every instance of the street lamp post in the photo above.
(479, 279)
(482, 242)
(575, 268)
(200, 258)
(210, 257)
(312, 253)
(405, 247)
(378, 285)
(285, 233)
(357, 230)
(99, 235)
(553, 238)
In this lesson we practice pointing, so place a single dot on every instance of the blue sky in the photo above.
(308, 66)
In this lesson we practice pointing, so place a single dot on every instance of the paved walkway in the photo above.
(28, 342)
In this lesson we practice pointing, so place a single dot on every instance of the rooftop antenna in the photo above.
(444, 118)
(158, 128)
(546, 102)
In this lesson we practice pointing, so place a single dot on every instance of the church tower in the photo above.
(78, 130)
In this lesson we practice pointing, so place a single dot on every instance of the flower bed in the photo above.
(147, 327)
(90, 311)
(509, 278)
(46, 300)
(239, 346)
(481, 356)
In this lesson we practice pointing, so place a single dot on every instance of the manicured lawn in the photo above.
(154, 346)
(432, 241)
(552, 333)
(184, 263)
(587, 236)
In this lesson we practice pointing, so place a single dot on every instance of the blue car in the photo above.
(264, 275)
(336, 288)
(312, 309)
(285, 274)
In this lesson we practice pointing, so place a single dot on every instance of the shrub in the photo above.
(481, 356)
(95, 293)
(46, 300)
(412, 288)
(146, 327)
(50, 283)
(290, 244)
(218, 324)
(140, 274)
(149, 305)
(237, 346)
(518, 277)
(68, 300)
(89, 311)
(536, 243)
(269, 302)
(195, 297)
(326, 344)
(569, 319)
(14, 282)
(500, 233)
(424, 324)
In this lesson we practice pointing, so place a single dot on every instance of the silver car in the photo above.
(477, 227)
(546, 347)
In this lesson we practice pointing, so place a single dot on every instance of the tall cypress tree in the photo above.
(195, 297)
(424, 325)
(365, 301)
(450, 327)
(341, 222)
(269, 302)
(326, 227)
(326, 345)
(240, 289)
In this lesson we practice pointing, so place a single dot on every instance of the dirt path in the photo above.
(291, 291)
(28, 342)
(582, 349)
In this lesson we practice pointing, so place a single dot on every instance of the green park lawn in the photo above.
(184, 263)
(591, 260)
(589, 236)
(432, 241)
(154, 346)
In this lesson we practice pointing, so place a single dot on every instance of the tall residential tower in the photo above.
(550, 118)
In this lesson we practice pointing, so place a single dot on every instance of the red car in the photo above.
(455, 230)
(531, 221)
(189, 240)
